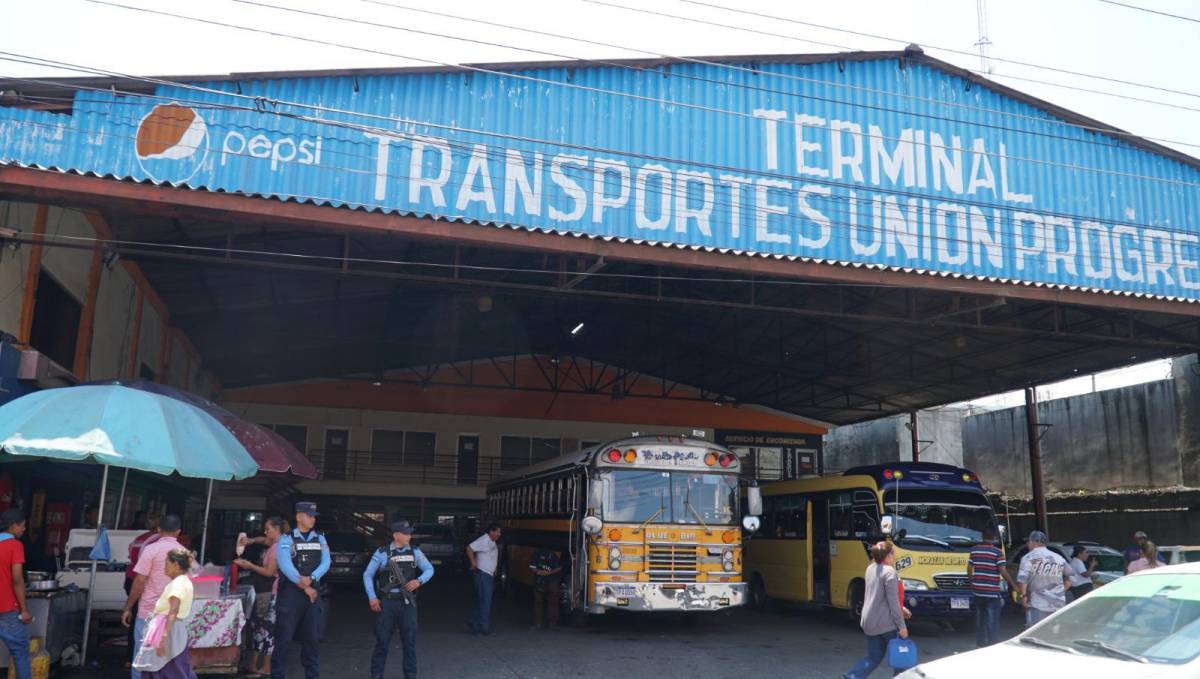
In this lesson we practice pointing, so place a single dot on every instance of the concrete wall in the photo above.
(115, 297)
(886, 440)
(1120, 438)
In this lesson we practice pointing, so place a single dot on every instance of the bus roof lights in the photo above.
(614, 455)
(888, 474)
(711, 458)
(631, 456)
(726, 460)
(899, 474)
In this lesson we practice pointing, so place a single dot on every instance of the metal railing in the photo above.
(365, 465)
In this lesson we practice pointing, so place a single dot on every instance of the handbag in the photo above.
(901, 654)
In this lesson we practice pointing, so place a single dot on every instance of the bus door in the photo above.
(820, 548)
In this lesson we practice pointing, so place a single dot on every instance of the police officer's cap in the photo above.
(402, 526)
(309, 508)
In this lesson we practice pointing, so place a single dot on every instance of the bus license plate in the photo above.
(624, 590)
(960, 603)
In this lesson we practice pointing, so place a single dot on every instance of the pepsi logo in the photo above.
(171, 143)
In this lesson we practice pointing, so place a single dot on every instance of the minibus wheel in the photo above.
(856, 601)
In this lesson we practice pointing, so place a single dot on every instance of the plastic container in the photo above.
(207, 586)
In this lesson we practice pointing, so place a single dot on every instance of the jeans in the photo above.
(987, 620)
(139, 633)
(396, 616)
(1035, 615)
(877, 646)
(484, 584)
(15, 635)
(545, 601)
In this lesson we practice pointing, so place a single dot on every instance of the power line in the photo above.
(952, 50)
(794, 38)
(518, 76)
(261, 104)
(1145, 9)
(732, 67)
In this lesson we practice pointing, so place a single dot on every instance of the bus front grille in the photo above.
(952, 582)
(671, 563)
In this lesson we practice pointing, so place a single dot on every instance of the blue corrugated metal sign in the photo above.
(880, 163)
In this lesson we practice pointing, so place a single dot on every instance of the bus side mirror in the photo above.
(596, 495)
(754, 501)
(886, 524)
(751, 523)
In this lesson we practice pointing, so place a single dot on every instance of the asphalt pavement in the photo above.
(787, 641)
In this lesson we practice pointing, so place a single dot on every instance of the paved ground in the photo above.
(793, 642)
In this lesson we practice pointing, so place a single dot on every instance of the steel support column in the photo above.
(1034, 433)
(916, 443)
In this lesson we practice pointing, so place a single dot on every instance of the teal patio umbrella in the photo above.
(116, 426)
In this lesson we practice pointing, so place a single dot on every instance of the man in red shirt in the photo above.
(14, 614)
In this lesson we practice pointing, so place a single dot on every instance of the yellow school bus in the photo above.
(812, 546)
(649, 523)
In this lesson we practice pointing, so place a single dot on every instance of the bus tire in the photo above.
(758, 594)
(857, 589)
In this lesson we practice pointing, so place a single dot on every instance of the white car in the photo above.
(1142, 625)
(1179, 554)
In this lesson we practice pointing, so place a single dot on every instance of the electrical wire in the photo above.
(1149, 11)
(757, 72)
(794, 38)
(951, 50)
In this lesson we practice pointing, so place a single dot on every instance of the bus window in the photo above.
(840, 516)
(788, 517)
(703, 498)
(636, 496)
(866, 515)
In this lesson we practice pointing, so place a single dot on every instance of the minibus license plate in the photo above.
(624, 590)
(960, 603)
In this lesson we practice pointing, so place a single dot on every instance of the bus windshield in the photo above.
(670, 497)
(945, 518)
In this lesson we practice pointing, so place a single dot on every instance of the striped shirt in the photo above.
(986, 562)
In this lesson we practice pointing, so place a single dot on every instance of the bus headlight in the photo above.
(614, 558)
(614, 553)
(914, 585)
(727, 560)
(614, 564)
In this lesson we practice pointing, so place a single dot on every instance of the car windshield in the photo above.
(346, 542)
(670, 497)
(946, 517)
(1109, 562)
(1147, 618)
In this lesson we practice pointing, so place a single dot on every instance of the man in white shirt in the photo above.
(1042, 580)
(483, 555)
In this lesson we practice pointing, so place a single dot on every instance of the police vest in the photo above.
(306, 552)
(385, 579)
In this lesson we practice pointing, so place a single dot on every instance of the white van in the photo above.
(110, 576)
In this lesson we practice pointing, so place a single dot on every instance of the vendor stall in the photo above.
(215, 632)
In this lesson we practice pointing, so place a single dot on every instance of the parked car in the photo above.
(1110, 564)
(439, 545)
(1144, 625)
(1179, 554)
(350, 553)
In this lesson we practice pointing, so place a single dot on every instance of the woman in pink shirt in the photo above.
(1149, 558)
(262, 619)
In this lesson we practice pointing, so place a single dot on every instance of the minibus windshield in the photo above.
(946, 518)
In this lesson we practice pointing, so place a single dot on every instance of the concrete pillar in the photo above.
(1034, 433)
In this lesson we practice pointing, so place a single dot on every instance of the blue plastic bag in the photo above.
(901, 654)
(101, 551)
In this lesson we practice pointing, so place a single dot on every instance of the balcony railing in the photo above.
(365, 465)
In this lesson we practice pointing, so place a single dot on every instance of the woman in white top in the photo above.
(168, 658)
(1149, 559)
(1081, 569)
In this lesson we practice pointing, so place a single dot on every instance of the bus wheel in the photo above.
(758, 593)
(856, 602)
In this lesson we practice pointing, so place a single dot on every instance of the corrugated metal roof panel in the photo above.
(682, 161)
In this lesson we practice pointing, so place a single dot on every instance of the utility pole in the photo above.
(983, 43)
(916, 442)
(1034, 432)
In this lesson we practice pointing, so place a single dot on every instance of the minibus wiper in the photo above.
(662, 507)
(926, 538)
(687, 502)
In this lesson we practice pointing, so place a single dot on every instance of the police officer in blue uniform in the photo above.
(392, 580)
(303, 559)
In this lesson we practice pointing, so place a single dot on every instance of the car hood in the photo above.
(998, 662)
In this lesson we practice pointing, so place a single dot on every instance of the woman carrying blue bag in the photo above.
(882, 616)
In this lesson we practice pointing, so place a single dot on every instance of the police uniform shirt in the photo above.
(379, 560)
(296, 551)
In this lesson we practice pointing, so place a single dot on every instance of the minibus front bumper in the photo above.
(656, 596)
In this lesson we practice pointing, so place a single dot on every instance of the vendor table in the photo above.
(215, 633)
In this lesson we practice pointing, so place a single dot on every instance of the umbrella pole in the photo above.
(204, 530)
(87, 615)
(121, 500)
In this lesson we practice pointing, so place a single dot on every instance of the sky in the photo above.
(1086, 36)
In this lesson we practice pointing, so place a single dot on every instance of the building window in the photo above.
(55, 321)
(520, 451)
(408, 448)
(295, 434)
